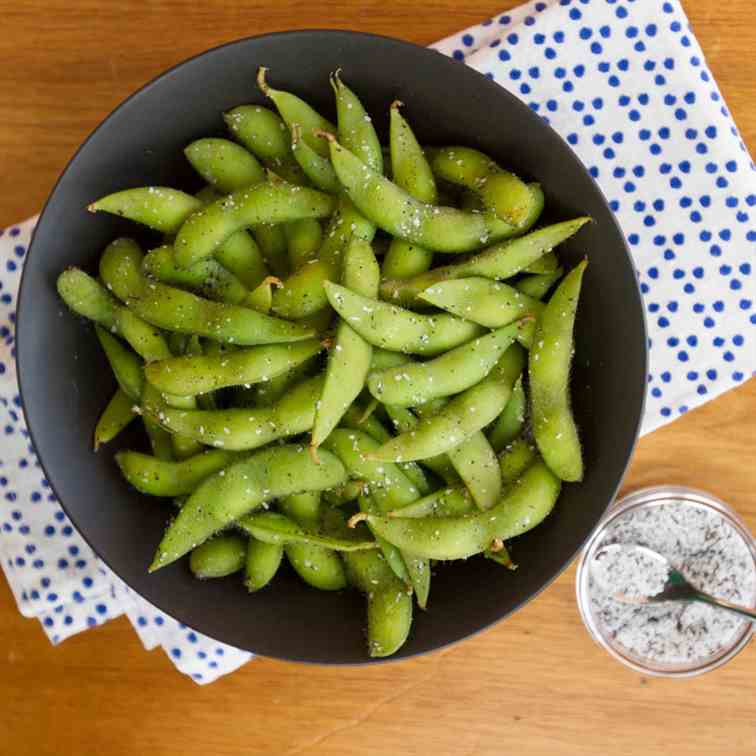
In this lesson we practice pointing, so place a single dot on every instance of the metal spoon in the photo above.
(676, 587)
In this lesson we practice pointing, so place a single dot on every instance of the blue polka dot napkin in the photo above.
(626, 84)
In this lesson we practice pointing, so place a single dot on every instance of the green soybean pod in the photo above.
(453, 424)
(241, 256)
(475, 462)
(241, 487)
(419, 571)
(538, 285)
(388, 486)
(207, 277)
(271, 202)
(276, 528)
(317, 168)
(391, 554)
(317, 566)
(116, 416)
(440, 229)
(524, 506)
(126, 366)
(158, 207)
(261, 563)
(355, 127)
(492, 304)
(185, 447)
(189, 375)
(223, 555)
(261, 131)
(508, 426)
(501, 191)
(303, 239)
(224, 164)
(159, 477)
(411, 172)
(389, 603)
(242, 429)
(404, 421)
(177, 310)
(271, 240)
(295, 110)
(390, 327)
(452, 372)
(302, 294)
(546, 264)
(446, 502)
(382, 359)
(160, 440)
(349, 358)
(499, 261)
(89, 298)
(515, 459)
(354, 418)
(549, 372)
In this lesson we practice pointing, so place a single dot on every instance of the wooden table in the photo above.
(537, 683)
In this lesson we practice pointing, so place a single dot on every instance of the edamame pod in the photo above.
(500, 190)
(116, 416)
(177, 310)
(87, 297)
(515, 459)
(354, 418)
(355, 129)
(405, 421)
(549, 371)
(275, 528)
(317, 566)
(391, 327)
(446, 502)
(126, 366)
(295, 110)
(511, 421)
(452, 372)
(191, 375)
(302, 294)
(207, 277)
(236, 490)
(463, 416)
(303, 239)
(475, 462)
(158, 207)
(492, 304)
(440, 229)
(224, 164)
(411, 172)
(522, 508)
(317, 168)
(242, 429)
(271, 240)
(387, 485)
(538, 285)
(159, 477)
(498, 261)
(262, 563)
(349, 359)
(389, 603)
(221, 556)
(546, 264)
(205, 230)
(261, 131)
(160, 440)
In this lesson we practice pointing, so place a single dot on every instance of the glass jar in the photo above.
(650, 497)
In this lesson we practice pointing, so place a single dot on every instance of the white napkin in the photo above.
(626, 84)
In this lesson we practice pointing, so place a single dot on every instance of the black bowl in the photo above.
(65, 381)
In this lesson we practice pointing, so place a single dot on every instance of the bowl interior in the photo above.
(65, 381)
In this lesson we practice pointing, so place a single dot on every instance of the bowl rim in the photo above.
(514, 102)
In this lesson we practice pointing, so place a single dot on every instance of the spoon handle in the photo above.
(741, 610)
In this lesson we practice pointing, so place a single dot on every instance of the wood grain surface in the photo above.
(535, 684)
